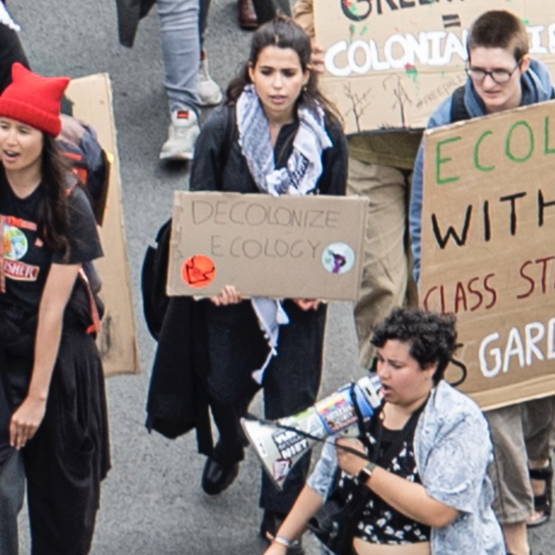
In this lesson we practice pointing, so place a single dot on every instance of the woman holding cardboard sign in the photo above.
(276, 135)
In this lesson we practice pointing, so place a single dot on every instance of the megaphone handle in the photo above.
(360, 418)
(275, 424)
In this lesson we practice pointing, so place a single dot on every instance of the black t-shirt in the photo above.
(26, 259)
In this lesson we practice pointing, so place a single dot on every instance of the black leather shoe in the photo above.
(216, 477)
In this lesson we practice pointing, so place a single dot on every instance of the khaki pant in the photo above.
(519, 433)
(386, 281)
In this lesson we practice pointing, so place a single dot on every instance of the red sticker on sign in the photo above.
(198, 271)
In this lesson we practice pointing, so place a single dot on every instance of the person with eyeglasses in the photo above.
(502, 76)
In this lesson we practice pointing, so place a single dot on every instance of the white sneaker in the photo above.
(209, 93)
(182, 135)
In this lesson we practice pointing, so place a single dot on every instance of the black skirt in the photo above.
(69, 455)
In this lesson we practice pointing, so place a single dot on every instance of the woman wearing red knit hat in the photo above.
(53, 421)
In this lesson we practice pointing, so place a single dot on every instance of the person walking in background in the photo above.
(501, 76)
(380, 167)
(282, 139)
(187, 81)
(54, 428)
(10, 46)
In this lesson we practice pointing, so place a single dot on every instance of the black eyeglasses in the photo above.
(500, 76)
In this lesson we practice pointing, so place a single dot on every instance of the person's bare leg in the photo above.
(516, 538)
(538, 486)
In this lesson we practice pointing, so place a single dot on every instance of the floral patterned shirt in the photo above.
(452, 449)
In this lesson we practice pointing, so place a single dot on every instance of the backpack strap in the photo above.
(458, 109)
(96, 324)
(2, 273)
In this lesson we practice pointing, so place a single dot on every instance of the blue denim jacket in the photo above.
(536, 87)
(452, 447)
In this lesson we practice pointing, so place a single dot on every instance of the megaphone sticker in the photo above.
(289, 443)
(281, 469)
(281, 444)
(336, 412)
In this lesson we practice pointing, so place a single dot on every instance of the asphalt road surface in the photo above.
(152, 502)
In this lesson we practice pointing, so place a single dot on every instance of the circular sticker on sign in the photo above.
(198, 271)
(338, 258)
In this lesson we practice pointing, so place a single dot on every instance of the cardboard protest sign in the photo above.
(488, 250)
(92, 98)
(389, 63)
(287, 246)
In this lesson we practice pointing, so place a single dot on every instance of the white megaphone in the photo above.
(281, 443)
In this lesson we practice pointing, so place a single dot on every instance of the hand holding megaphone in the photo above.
(281, 443)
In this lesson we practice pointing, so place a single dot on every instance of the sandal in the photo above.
(542, 502)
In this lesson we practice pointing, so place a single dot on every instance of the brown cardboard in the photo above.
(407, 56)
(267, 246)
(92, 97)
(500, 280)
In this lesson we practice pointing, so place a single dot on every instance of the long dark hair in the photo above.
(52, 210)
(283, 32)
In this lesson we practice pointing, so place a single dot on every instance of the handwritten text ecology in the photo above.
(427, 48)
(300, 227)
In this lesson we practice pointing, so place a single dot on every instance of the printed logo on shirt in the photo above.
(15, 243)
(16, 247)
(20, 271)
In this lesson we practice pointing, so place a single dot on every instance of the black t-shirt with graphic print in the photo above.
(26, 259)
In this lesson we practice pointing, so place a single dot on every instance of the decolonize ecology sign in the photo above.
(389, 63)
(287, 246)
(488, 248)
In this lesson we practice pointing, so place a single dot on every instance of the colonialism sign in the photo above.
(389, 63)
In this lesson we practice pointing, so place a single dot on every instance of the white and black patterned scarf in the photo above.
(298, 177)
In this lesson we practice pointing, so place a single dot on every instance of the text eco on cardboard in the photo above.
(488, 248)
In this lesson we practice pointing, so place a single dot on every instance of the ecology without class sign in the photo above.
(389, 63)
(287, 246)
(488, 249)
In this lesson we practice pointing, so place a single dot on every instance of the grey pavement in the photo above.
(152, 502)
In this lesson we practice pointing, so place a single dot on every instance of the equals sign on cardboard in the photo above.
(452, 20)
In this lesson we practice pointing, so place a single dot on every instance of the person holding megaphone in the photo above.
(415, 482)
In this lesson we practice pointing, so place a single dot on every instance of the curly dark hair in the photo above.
(432, 336)
(283, 32)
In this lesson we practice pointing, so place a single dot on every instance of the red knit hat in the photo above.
(34, 99)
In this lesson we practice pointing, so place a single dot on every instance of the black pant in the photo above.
(12, 51)
(68, 456)
(291, 383)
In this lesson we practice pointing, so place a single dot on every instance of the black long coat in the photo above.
(130, 12)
